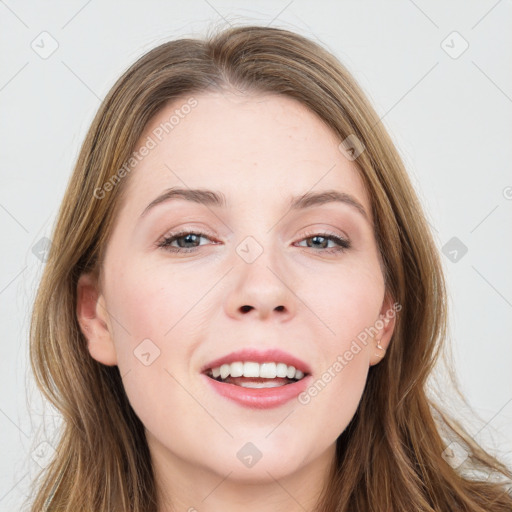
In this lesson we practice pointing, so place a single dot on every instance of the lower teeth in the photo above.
(269, 384)
(256, 385)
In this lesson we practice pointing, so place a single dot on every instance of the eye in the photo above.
(183, 239)
(189, 241)
(320, 241)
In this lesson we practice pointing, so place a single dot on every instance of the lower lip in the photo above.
(260, 398)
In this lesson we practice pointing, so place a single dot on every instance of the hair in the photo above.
(390, 456)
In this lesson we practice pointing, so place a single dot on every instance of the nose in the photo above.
(262, 290)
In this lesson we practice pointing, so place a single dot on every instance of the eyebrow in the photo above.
(217, 199)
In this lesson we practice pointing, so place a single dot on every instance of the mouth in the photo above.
(258, 379)
(256, 376)
(243, 383)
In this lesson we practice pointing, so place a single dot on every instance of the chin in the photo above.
(258, 461)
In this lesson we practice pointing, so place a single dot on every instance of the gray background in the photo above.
(449, 112)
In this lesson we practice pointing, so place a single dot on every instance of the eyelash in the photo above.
(343, 244)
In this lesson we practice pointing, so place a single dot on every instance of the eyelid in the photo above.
(322, 231)
(188, 229)
(316, 228)
(211, 235)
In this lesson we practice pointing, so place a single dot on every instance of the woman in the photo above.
(283, 363)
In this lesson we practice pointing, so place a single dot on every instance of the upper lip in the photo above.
(259, 356)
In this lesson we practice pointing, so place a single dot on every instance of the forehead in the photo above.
(247, 145)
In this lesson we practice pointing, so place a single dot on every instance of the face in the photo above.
(252, 273)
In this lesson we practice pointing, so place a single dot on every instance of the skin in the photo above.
(258, 150)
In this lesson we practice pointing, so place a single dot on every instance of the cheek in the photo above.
(154, 302)
(157, 314)
(156, 308)
(348, 309)
(348, 305)
(346, 302)
(332, 399)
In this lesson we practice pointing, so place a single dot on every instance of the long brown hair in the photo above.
(391, 457)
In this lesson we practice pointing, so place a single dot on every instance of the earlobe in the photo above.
(93, 319)
(385, 325)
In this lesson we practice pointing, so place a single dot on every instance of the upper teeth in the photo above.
(252, 369)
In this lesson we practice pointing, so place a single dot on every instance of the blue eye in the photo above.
(185, 238)
(323, 238)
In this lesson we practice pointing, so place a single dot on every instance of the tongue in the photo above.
(238, 380)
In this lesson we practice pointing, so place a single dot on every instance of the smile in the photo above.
(251, 374)
(258, 392)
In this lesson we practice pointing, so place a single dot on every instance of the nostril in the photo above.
(246, 308)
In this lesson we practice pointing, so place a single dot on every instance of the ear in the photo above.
(385, 325)
(92, 317)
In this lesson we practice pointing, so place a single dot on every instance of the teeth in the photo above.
(224, 371)
(237, 369)
(269, 370)
(251, 370)
(281, 370)
(258, 385)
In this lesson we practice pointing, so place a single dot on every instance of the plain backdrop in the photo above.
(438, 73)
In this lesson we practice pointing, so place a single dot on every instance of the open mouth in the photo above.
(255, 375)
